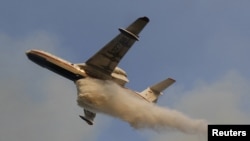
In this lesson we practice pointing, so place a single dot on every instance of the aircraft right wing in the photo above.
(106, 59)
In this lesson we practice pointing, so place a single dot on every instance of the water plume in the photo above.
(104, 96)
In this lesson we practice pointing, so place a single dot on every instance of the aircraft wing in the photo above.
(106, 59)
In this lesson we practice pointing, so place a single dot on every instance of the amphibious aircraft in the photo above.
(102, 65)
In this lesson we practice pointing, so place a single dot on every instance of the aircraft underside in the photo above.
(54, 67)
(101, 66)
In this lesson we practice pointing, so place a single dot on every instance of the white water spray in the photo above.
(109, 98)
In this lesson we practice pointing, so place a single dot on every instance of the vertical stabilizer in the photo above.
(152, 93)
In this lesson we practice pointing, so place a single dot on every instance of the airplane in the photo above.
(102, 65)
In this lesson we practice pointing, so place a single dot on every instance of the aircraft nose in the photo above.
(31, 55)
(27, 52)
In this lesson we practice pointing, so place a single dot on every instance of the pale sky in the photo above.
(203, 44)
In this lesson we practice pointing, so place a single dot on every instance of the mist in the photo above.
(107, 97)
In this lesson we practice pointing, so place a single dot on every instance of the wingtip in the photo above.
(146, 19)
(172, 79)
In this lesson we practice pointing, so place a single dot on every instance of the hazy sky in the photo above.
(203, 44)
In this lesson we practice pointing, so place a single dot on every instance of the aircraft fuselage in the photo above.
(56, 64)
(74, 71)
(60, 66)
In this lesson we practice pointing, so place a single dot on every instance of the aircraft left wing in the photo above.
(106, 59)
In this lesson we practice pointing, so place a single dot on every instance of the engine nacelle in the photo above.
(118, 75)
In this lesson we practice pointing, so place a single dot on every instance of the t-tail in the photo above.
(153, 92)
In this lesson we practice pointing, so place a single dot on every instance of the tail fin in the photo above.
(152, 93)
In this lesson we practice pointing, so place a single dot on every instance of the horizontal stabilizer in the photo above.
(161, 86)
(152, 93)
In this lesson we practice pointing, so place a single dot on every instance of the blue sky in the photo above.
(203, 44)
